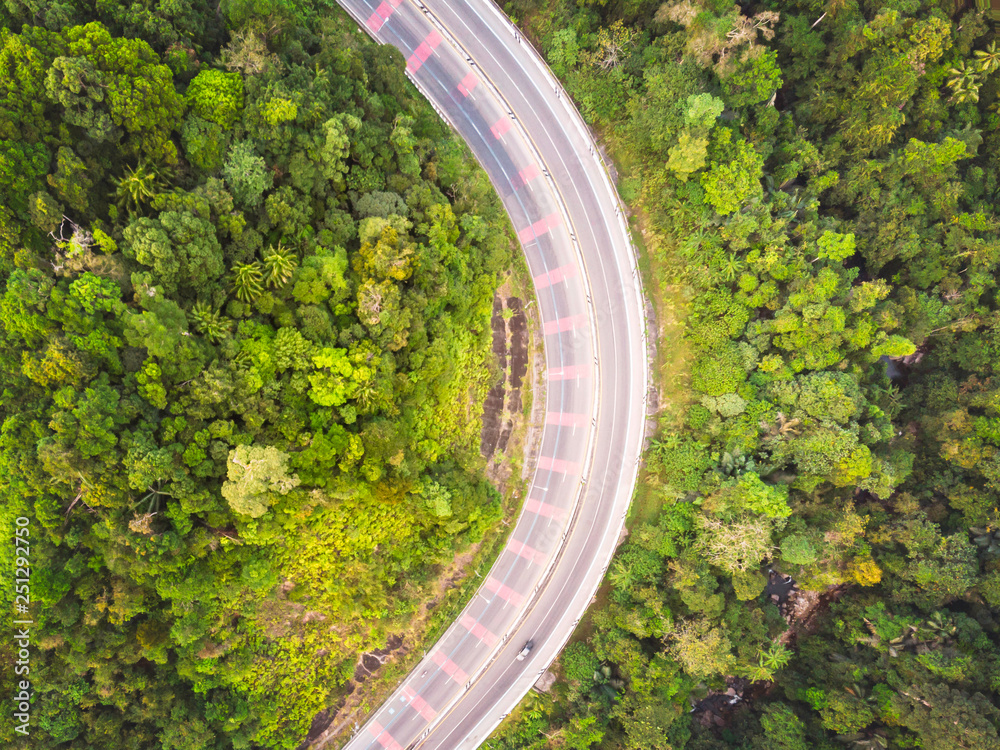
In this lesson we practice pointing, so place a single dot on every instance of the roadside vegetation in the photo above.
(816, 185)
(246, 279)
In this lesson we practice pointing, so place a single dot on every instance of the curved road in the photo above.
(492, 88)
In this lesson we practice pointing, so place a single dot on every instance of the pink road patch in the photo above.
(503, 591)
(383, 737)
(539, 228)
(419, 704)
(543, 509)
(500, 127)
(569, 323)
(423, 51)
(568, 372)
(449, 667)
(528, 553)
(468, 83)
(529, 173)
(381, 14)
(566, 419)
(554, 276)
(479, 631)
(558, 465)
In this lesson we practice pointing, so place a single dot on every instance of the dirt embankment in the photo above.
(510, 348)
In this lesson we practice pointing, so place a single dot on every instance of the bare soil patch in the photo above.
(510, 348)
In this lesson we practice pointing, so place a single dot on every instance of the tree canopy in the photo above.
(816, 187)
(245, 299)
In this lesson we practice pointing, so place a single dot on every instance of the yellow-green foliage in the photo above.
(217, 96)
(454, 419)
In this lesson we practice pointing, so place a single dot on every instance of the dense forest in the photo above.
(245, 285)
(246, 278)
(817, 187)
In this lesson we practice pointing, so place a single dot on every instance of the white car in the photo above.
(526, 650)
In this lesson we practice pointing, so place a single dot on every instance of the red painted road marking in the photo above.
(528, 174)
(569, 323)
(375, 21)
(419, 704)
(528, 553)
(383, 737)
(467, 84)
(558, 465)
(554, 276)
(423, 51)
(502, 126)
(543, 509)
(539, 228)
(568, 373)
(381, 14)
(449, 667)
(566, 419)
(469, 623)
(503, 591)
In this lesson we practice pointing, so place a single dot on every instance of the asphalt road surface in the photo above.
(493, 89)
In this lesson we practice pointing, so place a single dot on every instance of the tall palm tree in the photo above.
(208, 322)
(731, 267)
(988, 60)
(279, 265)
(247, 278)
(138, 186)
(366, 394)
(621, 576)
(964, 83)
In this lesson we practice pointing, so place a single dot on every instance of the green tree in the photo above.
(22, 88)
(205, 143)
(113, 87)
(582, 734)
(181, 248)
(209, 322)
(688, 156)
(756, 79)
(653, 724)
(728, 185)
(45, 211)
(737, 545)
(246, 174)
(702, 649)
(216, 96)
(70, 180)
(255, 475)
(322, 277)
(944, 717)
(783, 730)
